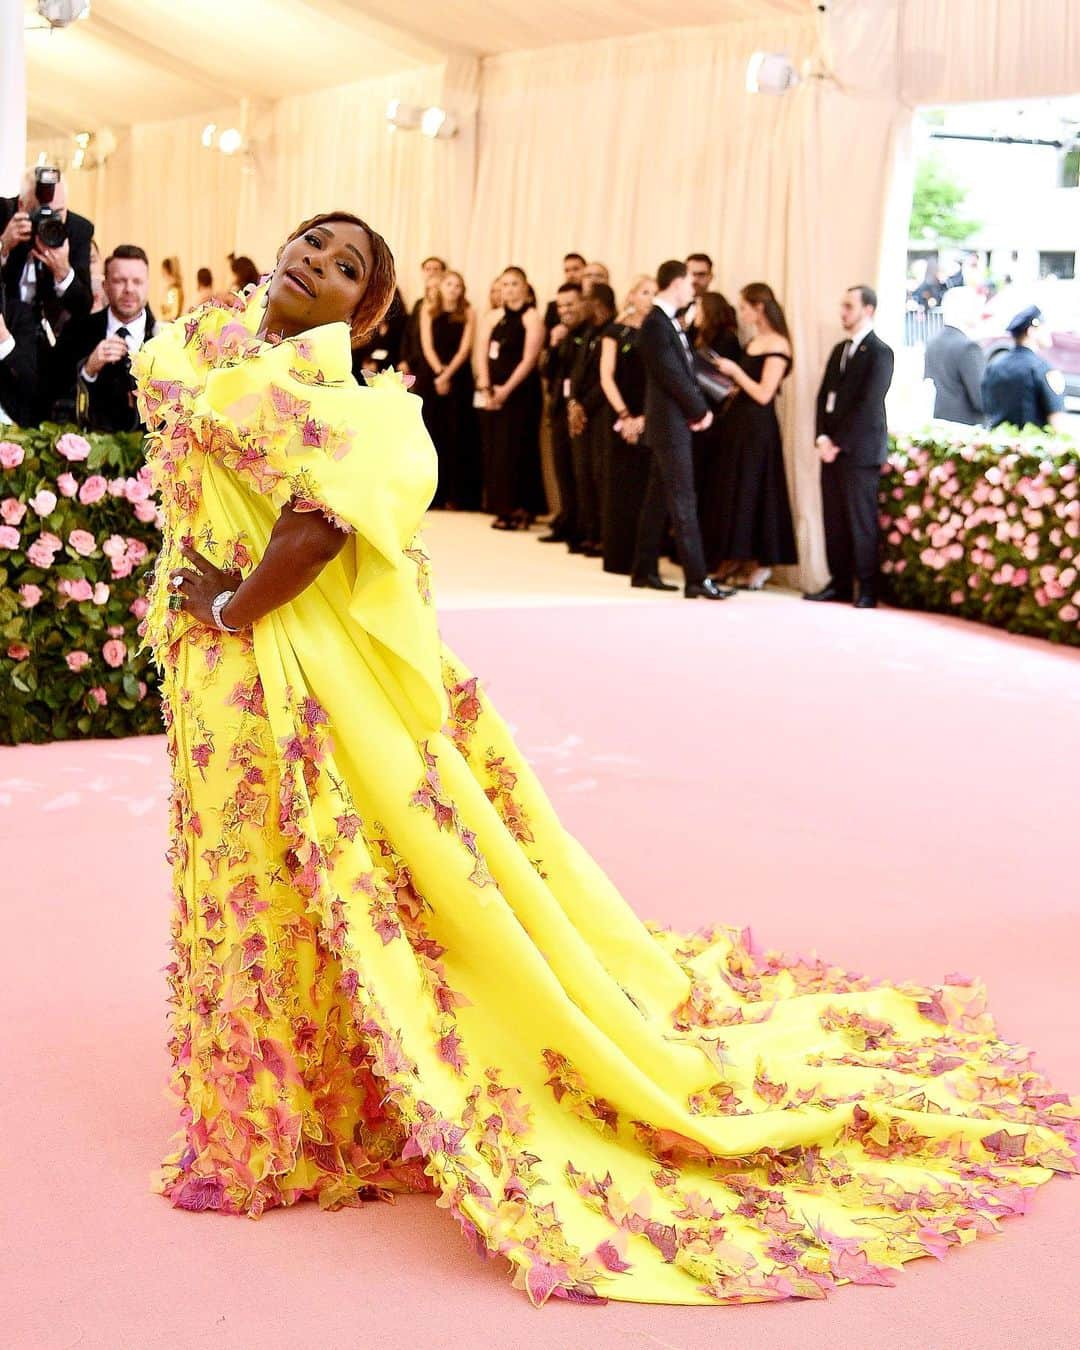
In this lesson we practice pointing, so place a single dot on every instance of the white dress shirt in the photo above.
(136, 334)
(669, 309)
(860, 335)
(28, 281)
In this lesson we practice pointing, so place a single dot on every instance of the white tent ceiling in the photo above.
(136, 61)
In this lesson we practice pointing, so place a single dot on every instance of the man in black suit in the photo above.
(852, 440)
(674, 408)
(53, 282)
(18, 361)
(92, 361)
(558, 366)
(573, 275)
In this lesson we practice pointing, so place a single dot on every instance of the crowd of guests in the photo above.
(661, 426)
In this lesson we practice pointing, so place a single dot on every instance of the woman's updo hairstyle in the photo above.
(382, 280)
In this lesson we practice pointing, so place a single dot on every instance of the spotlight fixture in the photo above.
(230, 141)
(438, 124)
(59, 13)
(403, 116)
(770, 73)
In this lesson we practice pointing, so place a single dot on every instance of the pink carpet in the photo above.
(896, 791)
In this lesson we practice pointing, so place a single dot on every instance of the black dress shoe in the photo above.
(592, 550)
(829, 592)
(706, 590)
(553, 538)
(572, 546)
(866, 602)
(653, 582)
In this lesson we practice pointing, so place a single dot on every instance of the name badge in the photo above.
(566, 388)
(379, 354)
(493, 350)
(830, 401)
(479, 399)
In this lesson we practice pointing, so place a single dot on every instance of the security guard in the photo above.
(1020, 387)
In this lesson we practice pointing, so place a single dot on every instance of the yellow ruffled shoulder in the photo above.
(291, 424)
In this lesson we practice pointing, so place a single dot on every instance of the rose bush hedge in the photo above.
(985, 525)
(78, 533)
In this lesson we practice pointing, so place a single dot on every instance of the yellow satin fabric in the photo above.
(395, 970)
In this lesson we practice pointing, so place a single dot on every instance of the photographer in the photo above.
(18, 360)
(92, 361)
(45, 263)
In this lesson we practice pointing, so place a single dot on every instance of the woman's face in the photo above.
(513, 290)
(642, 296)
(749, 315)
(320, 277)
(452, 289)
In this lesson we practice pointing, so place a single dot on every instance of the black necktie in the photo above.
(845, 356)
(123, 333)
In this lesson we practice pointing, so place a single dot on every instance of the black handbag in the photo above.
(716, 387)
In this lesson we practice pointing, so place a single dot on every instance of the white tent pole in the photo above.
(12, 97)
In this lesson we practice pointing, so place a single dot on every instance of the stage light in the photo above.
(770, 73)
(230, 141)
(59, 13)
(403, 116)
(437, 122)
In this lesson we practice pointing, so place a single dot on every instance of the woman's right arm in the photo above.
(427, 345)
(483, 337)
(609, 352)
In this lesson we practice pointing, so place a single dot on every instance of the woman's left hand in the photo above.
(200, 584)
(726, 367)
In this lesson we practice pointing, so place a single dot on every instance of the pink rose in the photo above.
(101, 594)
(1068, 576)
(956, 598)
(93, 489)
(73, 447)
(1047, 572)
(77, 661)
(115, 630)
(83, 542)
(18, 651)
(12, 510)
(80, 590)
(142, 688)
(895, 537)
(146, 475)
(11, 455)
(145, 512)
(114, 653)
(44, 502)
(136, 551)
(1020, 577)
(67, 485)
(135, 490)
(99, 696)
(138, 607)
(117, 487)
(1054, 590)
(29, 595)
(9, 536)
(121, 567)
(1041, 598)
(40, 555)
(1068, 613)
(114, 546)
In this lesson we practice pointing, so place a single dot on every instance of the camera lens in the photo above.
(50, 228)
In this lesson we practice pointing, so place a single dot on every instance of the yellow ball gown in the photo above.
(393, 969)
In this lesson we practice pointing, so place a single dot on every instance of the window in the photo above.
(1060, 265)
(1070, 167)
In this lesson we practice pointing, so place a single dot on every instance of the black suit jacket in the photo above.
(19, 371)
(673, 398)
(105, 404)
(77, 299)
(857, 420)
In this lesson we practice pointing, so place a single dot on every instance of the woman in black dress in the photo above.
(507, 354)
(746, 513)
(715, 333)
(447, 331)
(626, 464)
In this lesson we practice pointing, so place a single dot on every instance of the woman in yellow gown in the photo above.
(395, 971)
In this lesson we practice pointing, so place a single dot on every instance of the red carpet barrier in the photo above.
(78, 533)
(985, 525)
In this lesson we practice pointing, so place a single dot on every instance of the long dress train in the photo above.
(395, 970)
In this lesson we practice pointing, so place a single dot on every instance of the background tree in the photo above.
(937, 203)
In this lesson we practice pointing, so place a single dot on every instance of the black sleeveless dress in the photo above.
(451, 420)
(626, 466)
(745, 510)
(512, 473)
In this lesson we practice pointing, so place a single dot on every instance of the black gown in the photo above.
(451, 420)
(512, 473)
(745, 511)
(626, 466)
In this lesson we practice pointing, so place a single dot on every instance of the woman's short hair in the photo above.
(204, 277)
(382, 279)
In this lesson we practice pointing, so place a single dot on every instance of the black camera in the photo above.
(46, 222)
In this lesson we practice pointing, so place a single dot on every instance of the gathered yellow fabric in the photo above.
(393, 969)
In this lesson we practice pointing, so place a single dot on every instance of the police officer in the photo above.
(1020, 387)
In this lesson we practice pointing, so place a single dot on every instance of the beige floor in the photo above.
(476, 567)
